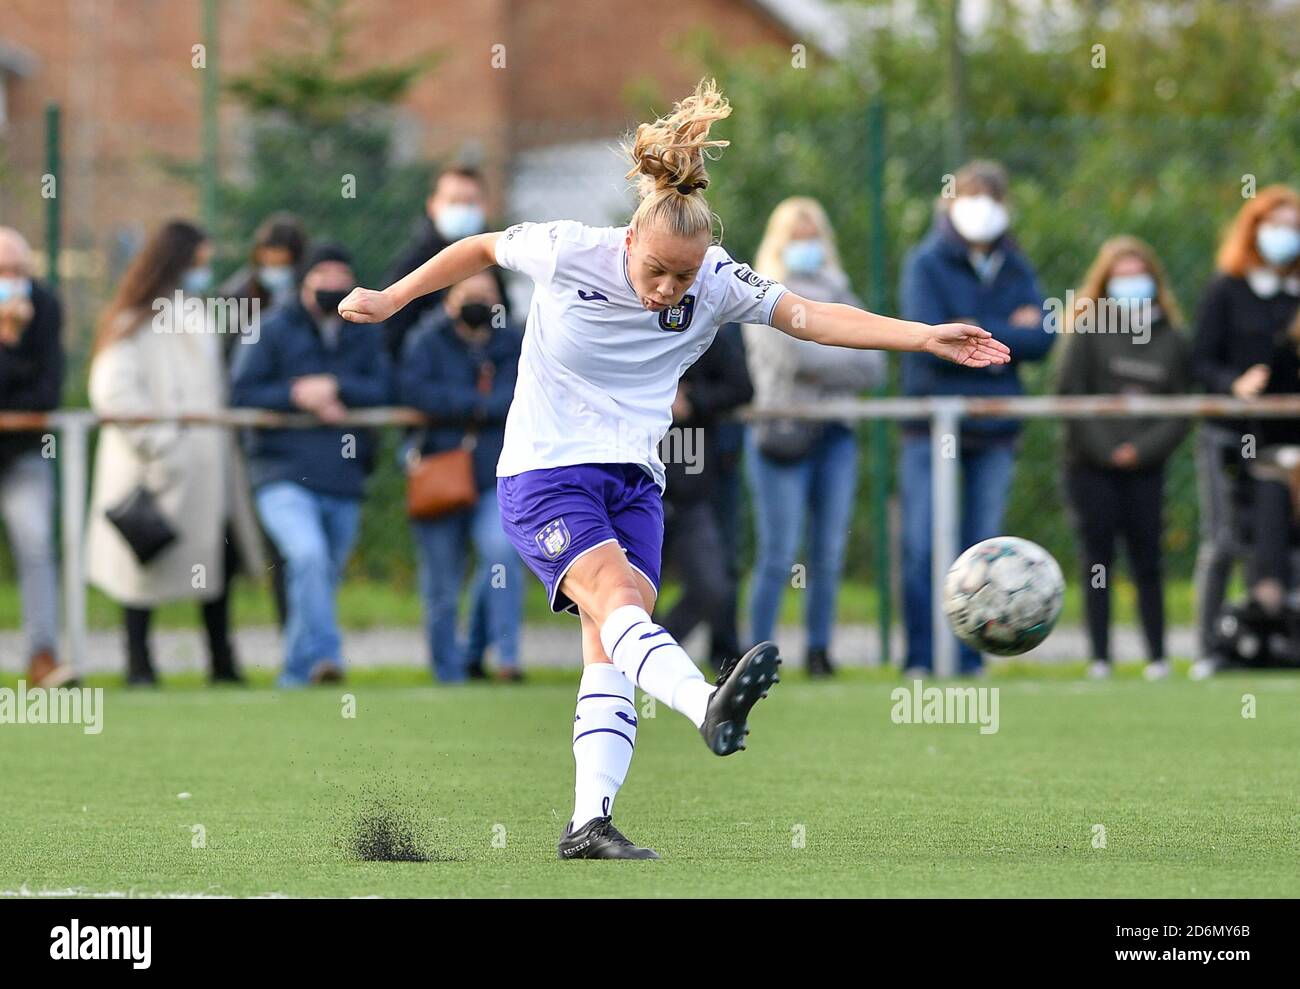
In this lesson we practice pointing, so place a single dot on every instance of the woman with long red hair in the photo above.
(1252, 299)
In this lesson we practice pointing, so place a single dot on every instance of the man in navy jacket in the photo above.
(308, 483)
(460, 363)
(966, 270)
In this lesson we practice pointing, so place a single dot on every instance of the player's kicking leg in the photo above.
(613, 593)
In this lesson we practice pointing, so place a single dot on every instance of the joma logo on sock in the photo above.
(946, 706)
(77, 943)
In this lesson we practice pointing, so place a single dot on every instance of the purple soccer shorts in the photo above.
(554, 515)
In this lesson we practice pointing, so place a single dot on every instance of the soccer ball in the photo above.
(1003, 595)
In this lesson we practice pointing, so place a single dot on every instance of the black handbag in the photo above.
(787, 440)
(142, 524)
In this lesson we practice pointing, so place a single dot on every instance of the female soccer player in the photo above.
(618, 313)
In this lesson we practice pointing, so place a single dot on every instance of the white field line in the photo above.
(81, 892)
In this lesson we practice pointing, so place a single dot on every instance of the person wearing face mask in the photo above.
(268, 280)
(455, 208)
(968, 268)
(802, 474)
(461, 362)
(1244, 309)
(1122, 339)
(271, 275)
(31, 380)
(156, 351)
(308, 483)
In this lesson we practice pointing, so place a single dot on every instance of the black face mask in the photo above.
(475, 315)
(328, 300)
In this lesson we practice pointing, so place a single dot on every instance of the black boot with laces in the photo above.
(599, 839)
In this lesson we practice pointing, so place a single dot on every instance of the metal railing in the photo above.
(945, 415)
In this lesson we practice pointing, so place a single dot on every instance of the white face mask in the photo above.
(196, 281)
(457, 220)
(15, 288)
(978, 219)
(804, 257)
(276, 278)
(1131, 288)
(1278, 243)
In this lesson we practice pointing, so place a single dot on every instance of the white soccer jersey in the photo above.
(598, 371)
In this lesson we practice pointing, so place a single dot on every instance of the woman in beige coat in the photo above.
(155, 352)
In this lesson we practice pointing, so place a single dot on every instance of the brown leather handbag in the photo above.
(441, 483)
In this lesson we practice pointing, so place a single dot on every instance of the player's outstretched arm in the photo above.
(454, 263)
(838, 325)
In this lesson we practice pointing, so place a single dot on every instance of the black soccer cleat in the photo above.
(599, 839)
(740, 686)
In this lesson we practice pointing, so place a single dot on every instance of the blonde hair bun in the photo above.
(669, 155)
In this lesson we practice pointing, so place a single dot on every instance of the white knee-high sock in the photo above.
(604, 737)
(650, 657)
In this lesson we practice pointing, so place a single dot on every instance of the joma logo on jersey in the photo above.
(677, 318)
(553, 538)
(751, 277)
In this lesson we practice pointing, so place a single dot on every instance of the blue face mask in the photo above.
(196, 281)
(1133, 288)
(15, 288)
(1278, 244)
(275, 278)
(804, 257)
(458, 220)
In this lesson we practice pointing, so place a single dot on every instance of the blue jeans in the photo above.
(497, 589)
(986, 481)
(817, 490)
(27, 499)
(314, 533)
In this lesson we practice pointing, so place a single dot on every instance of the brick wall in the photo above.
(121, 69)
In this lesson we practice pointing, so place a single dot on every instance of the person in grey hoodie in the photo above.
(802, 473)
(1123, 339)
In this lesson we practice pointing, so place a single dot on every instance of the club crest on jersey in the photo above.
(553, 538)
(677, 318)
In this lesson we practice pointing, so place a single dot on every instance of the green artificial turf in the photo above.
(1195, 799)
(376, 604)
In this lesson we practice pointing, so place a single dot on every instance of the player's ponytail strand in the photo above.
(668, 163)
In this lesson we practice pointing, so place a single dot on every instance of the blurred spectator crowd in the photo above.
(176, 511)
